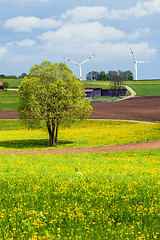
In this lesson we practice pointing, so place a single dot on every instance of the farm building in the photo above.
(1, 86)
(94, 92)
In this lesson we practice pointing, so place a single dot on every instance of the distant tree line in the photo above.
(102, 76)
(2, 76)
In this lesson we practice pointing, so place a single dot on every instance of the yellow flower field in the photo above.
(80, 196)
(80, 134)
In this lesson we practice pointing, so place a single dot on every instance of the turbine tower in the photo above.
(79, 64)
(136, 62)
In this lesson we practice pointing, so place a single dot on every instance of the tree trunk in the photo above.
(51, 130)
(56, 135)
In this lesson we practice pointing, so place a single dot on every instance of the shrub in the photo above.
(5, 85)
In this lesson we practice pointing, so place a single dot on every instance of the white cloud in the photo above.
(76, 35)
(141, 32)
(121, 50)
(143, 49)
(107, 42)
(27, 24)
(3, 52)
(77, 39)
(23, 58)
(86, 32)
(147, 8)
(84, 13)
(111, 52)
(140, 10)
(26, 43)
(23, 43)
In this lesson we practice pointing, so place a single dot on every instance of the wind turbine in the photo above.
(79, 64)
(136, 62)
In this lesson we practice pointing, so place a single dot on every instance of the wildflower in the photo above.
(79, 174)
(118, 224)
(42, 215)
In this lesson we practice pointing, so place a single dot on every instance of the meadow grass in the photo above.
(8, 100)
(146, 89)
(97, 84)
(80, 196)
(14, 136)
(13, 83)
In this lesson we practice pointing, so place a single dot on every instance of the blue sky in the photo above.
(35, 30)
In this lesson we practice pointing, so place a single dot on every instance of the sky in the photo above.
(32, 31)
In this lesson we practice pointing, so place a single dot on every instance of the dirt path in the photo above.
(133, 93)
(125, 147)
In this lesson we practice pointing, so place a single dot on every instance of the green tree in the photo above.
(22, 75)
(2, 76)
(128, 75)
(104, 76)
(93, 76)
(89, 76)
(5, 85)
(51, 93)
(116, 81)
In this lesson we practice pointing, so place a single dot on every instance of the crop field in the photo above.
(8, 100)
(80, 196)
(14, 136)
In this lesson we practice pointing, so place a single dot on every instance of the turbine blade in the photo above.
(71, 61)
(142, 61)
(133, 55)
(88, 59)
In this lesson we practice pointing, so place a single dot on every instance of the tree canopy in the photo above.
(116, 81)
(102, 76)
(51, 93)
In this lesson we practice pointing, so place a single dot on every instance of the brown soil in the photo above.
(126, 147)
(138, 108)
(10, 114)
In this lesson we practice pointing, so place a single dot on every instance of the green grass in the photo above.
(146, 89)
(96, 84)
(144, 81)
(80, 196)
(14, 136)
(8, 100)
(13, 83)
